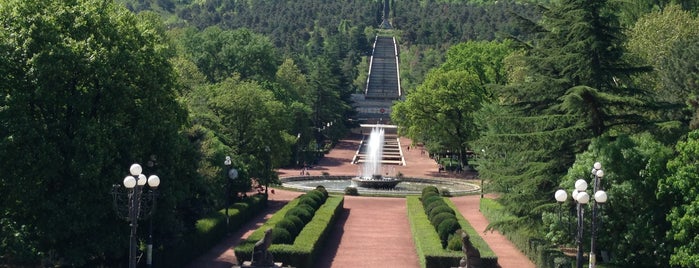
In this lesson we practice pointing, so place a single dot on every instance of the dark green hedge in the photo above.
(209, 232)
(307, 245)
(427, 242)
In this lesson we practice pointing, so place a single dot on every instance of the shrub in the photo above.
(321, 189)
(281, 236)
(446, 228)
(351, 191)
(433, 205)
(317, 195)
(304, 212)
(310, 201)
(445, 192)
(429, 189)
(289, 225)
(439, 218)
(296, 220)
(440, 209)
(454, 242)
(427, 196)
(426, 201)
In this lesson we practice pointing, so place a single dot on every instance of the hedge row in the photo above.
(442, 217)
(286, 230)
(428, 244)
(307, 245)
(209, 231)
(536, 248)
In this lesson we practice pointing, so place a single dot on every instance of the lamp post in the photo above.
(479, 175)
(152, 165)
(581, 198)
(267, 168)
(600, 197)
(134, 184)
(232, 174)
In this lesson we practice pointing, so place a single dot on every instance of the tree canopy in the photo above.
(86, 89)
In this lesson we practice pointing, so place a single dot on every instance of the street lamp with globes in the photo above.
(581, 197)
(232, 174)
(134, 183)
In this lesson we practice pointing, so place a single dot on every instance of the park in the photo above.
(464, 133)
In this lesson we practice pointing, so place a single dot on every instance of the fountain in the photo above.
(370, 176)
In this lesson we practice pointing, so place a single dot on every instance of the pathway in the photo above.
(372, 232)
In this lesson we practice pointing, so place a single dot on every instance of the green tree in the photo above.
(633, 166)
(668, 40)
(440, 111)
(221, 53)
(681, 189)
(86, 89)
(575, 86)
(485, 59)
(248, 119)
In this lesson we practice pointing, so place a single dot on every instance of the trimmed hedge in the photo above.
(428, 245)
(307, 245)
(210, 231)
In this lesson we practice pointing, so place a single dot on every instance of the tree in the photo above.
(668, 40)
(86, 89)
(248, 119)
(221, 53)
(633, 166)
(680, 189)
(485, 59)
(577, 86)
(440, 111)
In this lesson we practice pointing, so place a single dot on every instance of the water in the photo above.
(374, 153)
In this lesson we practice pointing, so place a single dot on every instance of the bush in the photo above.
(433, 205)
(445, 192)
(289, 225)
(321, 189)
(428, 195)
(296, 220)
(281, 236)
(446, 228)
(440, 209)
(310, 201)
(430, 198)
(303, 211)
(429, 189)
(351, 191)
(317, 195)
(439, 218)
(454, 242)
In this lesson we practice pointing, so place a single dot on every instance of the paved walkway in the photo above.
(364, 235)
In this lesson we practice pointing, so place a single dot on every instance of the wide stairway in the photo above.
(383, 84)
(383, 76)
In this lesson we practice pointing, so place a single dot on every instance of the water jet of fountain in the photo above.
(370, 176)
(374, 153)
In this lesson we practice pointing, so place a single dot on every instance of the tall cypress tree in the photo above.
(575, 87)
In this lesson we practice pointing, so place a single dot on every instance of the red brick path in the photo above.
(372, 232)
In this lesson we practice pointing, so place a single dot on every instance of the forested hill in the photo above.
(291, 23)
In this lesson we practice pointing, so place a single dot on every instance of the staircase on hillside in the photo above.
(383, 83)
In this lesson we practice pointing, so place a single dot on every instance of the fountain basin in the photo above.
(376, 182)
(407, 186)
